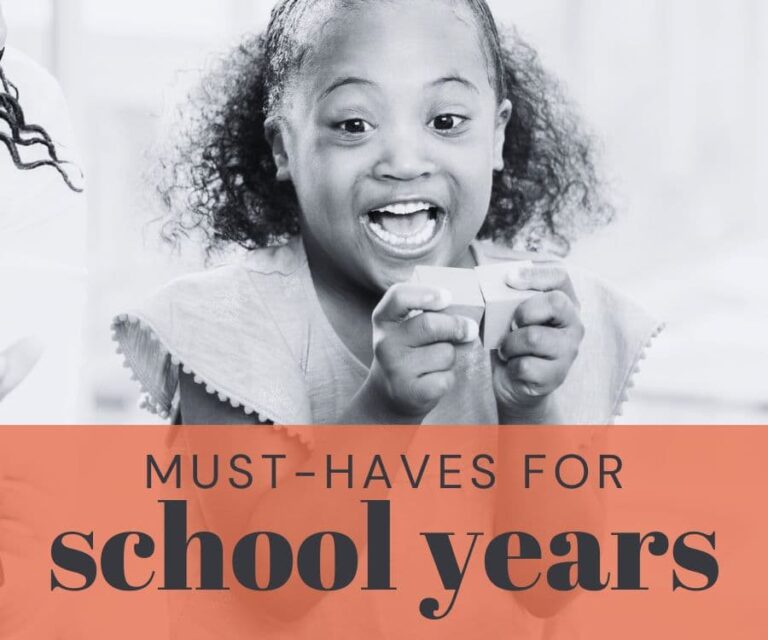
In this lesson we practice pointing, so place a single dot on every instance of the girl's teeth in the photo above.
(422, 237)
(403, 224)
(405, 208)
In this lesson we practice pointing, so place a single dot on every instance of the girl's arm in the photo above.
(301, 506)
(412, 370)
(532, 362)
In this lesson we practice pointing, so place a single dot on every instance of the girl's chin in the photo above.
(385, 278)
(384, 272)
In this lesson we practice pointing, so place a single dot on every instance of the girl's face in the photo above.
(391, 134)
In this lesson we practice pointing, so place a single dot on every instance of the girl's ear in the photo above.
(503, 114)
(276, 138)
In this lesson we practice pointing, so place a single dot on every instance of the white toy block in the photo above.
(501, 300)
(463, 285)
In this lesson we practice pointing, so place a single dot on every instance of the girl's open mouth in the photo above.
(405, 227)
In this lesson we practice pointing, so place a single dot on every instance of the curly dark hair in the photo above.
(220, 179)
(24, 134)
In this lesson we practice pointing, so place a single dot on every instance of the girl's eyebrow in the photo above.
(343, 82)
(455, 78)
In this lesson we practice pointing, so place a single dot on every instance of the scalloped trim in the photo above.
(629, 382)
(157, 406)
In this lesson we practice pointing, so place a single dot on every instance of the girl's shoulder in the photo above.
(618, 332)
(239, 329)
(259, 278)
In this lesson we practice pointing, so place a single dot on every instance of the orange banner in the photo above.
(382, 532)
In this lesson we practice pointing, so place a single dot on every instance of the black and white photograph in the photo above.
(322, 212)
(383, 319)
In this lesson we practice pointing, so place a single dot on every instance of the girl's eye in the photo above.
(447, 122)
(355, 126)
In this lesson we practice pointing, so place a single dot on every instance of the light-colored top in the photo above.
(255, 334)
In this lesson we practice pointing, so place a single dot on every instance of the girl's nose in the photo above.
(404, 157)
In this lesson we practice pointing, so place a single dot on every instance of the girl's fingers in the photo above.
(402, 300)
(431, 387)
(542, 276)
(433, 358)
(542, 342)
(553, 308)
(537, 376)
(430, 328)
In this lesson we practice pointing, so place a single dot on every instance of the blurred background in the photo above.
(676, 90)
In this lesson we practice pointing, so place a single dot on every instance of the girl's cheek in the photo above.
(337, 161)
(335, 165)
(471, 161)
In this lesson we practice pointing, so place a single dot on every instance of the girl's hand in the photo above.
(536, 356)
(16, 362)
(414, 348)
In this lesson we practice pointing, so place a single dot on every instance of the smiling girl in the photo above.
(352, 142)
(349, 143)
